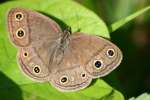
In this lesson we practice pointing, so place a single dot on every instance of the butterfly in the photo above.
(68, 61)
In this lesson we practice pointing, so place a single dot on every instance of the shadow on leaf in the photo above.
(62, 24)
(8, 89)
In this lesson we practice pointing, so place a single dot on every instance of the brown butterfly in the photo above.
(47, 54)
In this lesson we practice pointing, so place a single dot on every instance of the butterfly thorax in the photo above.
(59, 51)
(64, 41)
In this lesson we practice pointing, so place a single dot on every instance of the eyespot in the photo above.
(36, 69)
(20, 33)
(98, 63)
(110, 52)
(18, 16)
(64, 79)
(83, 75)
(25, 54)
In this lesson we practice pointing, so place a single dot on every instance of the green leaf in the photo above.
(123, 21)
(144, 96)
(13, 84)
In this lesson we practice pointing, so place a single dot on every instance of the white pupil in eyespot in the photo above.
(36, 69)
(64, 79)
(110, 53)
(98, 64)
(20, 33)
(19, 16)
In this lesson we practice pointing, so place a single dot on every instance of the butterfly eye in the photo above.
(64, 79)
(20, 33)
(98, 64)
(19, 16)
(36, 69)
(110, 52)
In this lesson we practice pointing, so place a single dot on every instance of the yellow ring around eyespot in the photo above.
(63, 77)
(84, 75)
(108, 53)
(20, 29)
(100, 66)
(19, 13)
(37, 67)
(25, 54)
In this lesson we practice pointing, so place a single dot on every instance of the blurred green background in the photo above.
(132, 77)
